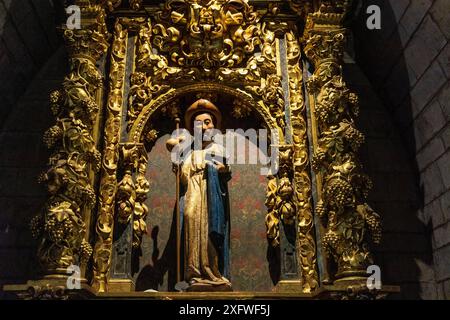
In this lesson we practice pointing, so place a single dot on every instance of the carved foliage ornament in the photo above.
(91, 40)
(108, 183)
(306, 244)
(155, 73)
(244, 53)
(350, 224)
(207, 33)
(279, 197)
(60, 228)
(132, 191)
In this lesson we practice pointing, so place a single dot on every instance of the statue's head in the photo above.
(204, 120)
(202, 113)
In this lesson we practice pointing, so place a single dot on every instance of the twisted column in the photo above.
(349, 224)
(60, 227)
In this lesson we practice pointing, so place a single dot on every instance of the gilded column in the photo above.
(140, 209)
(60, 227)
(306, 244)
(132, 190)
(110, 158)
(349, 225)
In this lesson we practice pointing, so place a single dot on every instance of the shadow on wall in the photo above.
(405, 255)
(31, 66)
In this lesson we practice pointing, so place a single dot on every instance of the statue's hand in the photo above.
(220, 166)
(172, 142)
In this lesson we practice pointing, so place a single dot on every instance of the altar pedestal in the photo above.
(40, 290)
(203, 287)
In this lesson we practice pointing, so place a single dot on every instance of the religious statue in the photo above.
(203, 205)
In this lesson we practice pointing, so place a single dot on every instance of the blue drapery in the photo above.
(219, 218)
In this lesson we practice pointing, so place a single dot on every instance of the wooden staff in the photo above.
(177, 208)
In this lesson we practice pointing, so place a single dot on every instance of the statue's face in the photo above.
(204, 120)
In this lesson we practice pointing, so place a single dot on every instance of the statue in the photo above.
(204, 208)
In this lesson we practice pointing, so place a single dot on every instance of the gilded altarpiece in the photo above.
(274, 65)
(228, 53)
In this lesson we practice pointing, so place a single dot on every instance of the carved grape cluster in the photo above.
(91, 107)
(354, 103)
(374, 226)
(94, 157)
(355, 137)
(36, 226)
(52, 136)
(89, 195)
(320, 209)
(339, 191)
(42, 177)
(368, 185)
(323, 111)
(330, 241)
(57, 230)
(317, 160)
(56, 98)
(314, 83)
(85, 250)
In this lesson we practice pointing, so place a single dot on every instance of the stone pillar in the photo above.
(349, 225)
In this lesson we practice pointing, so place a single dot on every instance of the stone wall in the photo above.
(29, 70)
(23, 156)
(407, 62)
(404, 255)
(27, 38)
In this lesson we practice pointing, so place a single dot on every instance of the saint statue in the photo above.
(204, 202)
